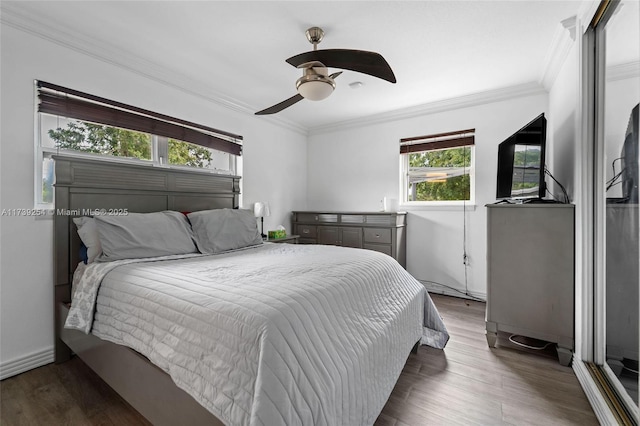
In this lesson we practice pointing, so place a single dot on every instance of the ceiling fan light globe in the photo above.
(315, 89)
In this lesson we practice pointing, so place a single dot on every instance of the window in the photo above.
(75, 123)
(437, 169)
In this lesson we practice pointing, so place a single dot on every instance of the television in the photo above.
(521, 163)
(629, 160)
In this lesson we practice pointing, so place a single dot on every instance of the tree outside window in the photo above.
(100, 139)
(439, 175)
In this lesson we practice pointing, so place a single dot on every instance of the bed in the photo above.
(264, 334)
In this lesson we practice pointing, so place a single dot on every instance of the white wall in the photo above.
(562, 130)
(561, 126)
(354, 168)
(274, 171)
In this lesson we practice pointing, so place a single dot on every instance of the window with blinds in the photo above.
(438, 168)
(76, 123)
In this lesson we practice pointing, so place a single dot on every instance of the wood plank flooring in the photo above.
(466, 384)
(470, 384)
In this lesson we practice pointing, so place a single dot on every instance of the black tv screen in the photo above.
(521, 162)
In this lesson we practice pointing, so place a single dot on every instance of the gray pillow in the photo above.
(139, 235)
(221, 230)
(88, 232)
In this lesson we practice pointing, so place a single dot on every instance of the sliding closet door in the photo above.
(616, 197)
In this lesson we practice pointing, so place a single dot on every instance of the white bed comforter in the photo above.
(278, 334)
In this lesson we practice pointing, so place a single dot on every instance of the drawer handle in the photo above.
(305, 231)
(377, 235)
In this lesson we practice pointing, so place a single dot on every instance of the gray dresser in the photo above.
(380, 231)
(530, 273)
(623, 256)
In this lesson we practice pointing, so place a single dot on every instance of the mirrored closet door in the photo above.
(617, 98)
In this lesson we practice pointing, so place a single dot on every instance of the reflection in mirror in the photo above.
(526, 171)
(622, 94)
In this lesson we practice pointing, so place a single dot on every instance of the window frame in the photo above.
(441, 141)
(159, 143)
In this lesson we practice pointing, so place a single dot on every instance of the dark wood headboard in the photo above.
(83, 186)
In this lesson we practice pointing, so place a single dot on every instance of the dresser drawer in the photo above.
(306, 231)
(377, 235)
(382, 248)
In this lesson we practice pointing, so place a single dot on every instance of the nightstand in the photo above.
(291, 239)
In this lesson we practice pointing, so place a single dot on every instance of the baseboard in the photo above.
(449, 291)
(590, 388)
(26, 363)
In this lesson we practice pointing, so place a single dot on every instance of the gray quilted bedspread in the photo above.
(278, 334)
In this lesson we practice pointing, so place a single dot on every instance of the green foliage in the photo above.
(100, 139)
(452, 157)
(106, 140)
(453, 188)
(528, 157)
(47, 191)
(186, 154)
(524, 185)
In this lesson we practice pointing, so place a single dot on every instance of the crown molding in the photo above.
(623, 71)
(563, 40)
(481, 98)
(13, 16)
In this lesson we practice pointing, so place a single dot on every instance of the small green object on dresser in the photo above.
(274, 235)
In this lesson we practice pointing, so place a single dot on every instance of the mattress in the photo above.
(275, 334)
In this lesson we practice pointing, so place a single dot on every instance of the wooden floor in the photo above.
(466, 384)
(470, 384)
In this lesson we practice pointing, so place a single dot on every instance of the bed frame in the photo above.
(84, 186)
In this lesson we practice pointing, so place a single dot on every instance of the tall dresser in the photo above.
(380, 231)
(530, 273)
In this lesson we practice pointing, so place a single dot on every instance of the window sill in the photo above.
(438, 207)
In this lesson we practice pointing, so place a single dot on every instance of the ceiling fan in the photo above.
(316, 83)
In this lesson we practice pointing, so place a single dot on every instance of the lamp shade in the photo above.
(261, 209)
(258, 209)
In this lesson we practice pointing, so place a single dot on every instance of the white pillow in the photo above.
(88, 232)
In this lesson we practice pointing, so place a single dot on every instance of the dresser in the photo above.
(530, 273)
(380, 231)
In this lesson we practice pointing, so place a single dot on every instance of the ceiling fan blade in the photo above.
(370, 63)
(282, 105)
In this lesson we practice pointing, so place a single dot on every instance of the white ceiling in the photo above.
(236, 51)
